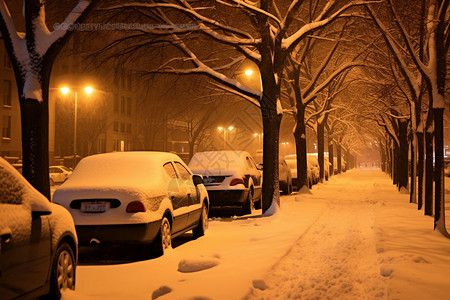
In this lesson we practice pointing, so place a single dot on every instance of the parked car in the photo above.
(326, 167)
(232, 179)
(284, 173)
(291, 161)
(59, 174)
(285, 177)
(38, 242)
(313, 165)
(447, 169)
(18, 167)
(137, 198)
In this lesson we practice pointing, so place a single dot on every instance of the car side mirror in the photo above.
(197, 179)
(260, 167)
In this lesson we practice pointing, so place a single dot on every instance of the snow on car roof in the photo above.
(218, 160)
(120, 169)
(15, 189)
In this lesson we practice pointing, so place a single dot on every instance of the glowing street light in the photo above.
(259, 135)
(65, 90)
(225, 130)
(249, 72)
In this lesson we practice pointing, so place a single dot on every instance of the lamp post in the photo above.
(225, 130)
(66, 90)
(259, 139)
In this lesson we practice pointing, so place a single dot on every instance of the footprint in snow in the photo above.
(259, 284)
(161, 291)
(195, 265)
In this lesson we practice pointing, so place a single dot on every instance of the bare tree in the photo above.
(32, 54)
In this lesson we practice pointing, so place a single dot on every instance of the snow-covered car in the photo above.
(135, 198)
(285, 177)
(59, 174)
(313, 166)
(232, 179)
(38, 242)
(291, 161)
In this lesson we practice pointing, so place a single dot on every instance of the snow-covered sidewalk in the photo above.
(353, 237)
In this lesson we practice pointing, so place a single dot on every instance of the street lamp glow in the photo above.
(230, 128)
(65, 90)
(255, 134)
(220, 128)
(248, 72)
(88, 90)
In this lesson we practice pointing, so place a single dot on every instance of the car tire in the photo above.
(63, 271)
(164, 238)
(289, 191)
(202, 223)
(249, 206)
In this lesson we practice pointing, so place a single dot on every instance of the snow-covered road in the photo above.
(353, 237)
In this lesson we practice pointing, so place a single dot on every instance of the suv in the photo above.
(38, 242)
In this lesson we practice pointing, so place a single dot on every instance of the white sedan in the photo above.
(141, 198)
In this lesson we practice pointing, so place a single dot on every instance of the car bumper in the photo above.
(117, 234)
(224, 198)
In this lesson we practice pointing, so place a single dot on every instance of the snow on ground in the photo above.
(353, 237)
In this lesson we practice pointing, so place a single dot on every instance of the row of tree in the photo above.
(308, 53)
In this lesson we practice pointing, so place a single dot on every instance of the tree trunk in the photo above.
(320, 149)
(34, 121)
(300, 144)
(420, 169)
(395, 152)
(403, 155)
(339, 158)
(429, 173)
(413, 188)
(270, 188)
(439, 206)
(331, 159)
(383, 159)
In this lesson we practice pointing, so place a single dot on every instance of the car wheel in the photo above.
(289, 188)
(202, 223)
(63, 271)
(249, 207)
(164, 238)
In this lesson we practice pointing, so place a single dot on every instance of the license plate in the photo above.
(94, 207)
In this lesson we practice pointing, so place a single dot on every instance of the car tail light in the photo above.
(136, 206)
(236, 181)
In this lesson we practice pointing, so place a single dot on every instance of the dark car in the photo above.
(232, 178)
(38, 243)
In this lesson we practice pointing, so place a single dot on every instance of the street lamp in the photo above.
(65, 90)
(225, 130)
(259, 139)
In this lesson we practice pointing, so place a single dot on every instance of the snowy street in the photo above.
(353, 237)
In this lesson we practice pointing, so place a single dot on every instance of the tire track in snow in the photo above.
(335, 259)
